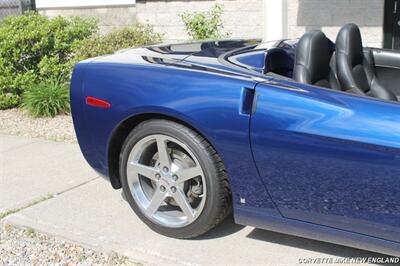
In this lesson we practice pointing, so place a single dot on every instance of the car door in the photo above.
(328, 157)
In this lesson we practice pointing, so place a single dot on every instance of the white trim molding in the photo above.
(41, 4)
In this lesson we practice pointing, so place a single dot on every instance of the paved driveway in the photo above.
(88, 211)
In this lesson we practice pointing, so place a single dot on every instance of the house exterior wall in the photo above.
(81, 3)
(110, 17)
(330, 15)
(268, 19)
(244, 19)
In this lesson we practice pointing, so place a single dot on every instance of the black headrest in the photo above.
(312, 53)
(349, 42)
(278, 58)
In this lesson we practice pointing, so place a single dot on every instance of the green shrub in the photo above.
(204, 25)
(133, 36)
(47, 99)
(8, 101)
(34, 48)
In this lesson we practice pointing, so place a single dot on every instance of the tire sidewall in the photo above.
(197, 147)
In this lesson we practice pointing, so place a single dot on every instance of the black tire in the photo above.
(218, 199)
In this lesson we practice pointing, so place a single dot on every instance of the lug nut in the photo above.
(158, 176)
(165, 169)
(162, 188)
(173, 189)
(175, 177)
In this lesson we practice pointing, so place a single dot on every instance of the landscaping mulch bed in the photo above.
(20, 246)
(18, 122)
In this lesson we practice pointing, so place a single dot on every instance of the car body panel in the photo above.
(224, 100)
(330, 158)
(95, 129)
(261, 219)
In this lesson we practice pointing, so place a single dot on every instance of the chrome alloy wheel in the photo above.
(166, 181)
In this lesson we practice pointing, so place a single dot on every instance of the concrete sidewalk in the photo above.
(87, 210)
(33, 169)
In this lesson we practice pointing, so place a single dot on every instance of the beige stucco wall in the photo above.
(109, 17)
(243, 18)
(329, 15)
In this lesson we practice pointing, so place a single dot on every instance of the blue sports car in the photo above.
(295, 136)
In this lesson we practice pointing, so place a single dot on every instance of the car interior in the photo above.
(344, 65)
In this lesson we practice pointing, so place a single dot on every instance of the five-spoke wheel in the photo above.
(166, 180)
(173, 179)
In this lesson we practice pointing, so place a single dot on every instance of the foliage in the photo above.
(133, 36)
(34, 48)
(47, 99)
(8, 101)
(204, 25)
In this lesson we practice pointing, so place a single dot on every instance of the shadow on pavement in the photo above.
(229, 227)
(226, 228)
(309, 244)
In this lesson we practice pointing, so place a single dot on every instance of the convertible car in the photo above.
(295, 136)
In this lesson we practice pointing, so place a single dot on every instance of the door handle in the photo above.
(247, 101)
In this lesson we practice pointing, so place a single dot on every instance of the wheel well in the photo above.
(119, 137)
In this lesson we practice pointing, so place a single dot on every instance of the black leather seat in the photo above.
(355, 71)
(312, 61)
